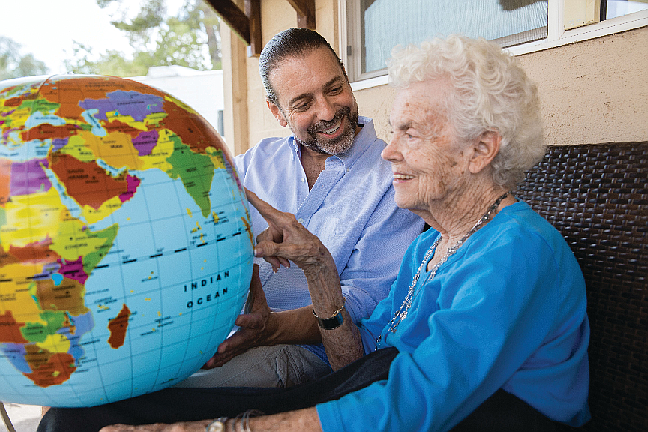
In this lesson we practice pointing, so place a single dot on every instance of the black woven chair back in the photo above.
(597, 197)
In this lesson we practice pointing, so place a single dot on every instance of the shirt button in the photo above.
(301, 221)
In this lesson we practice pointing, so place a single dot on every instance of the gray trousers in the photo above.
(278, 366)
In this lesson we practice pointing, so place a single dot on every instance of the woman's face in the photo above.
(429, 163)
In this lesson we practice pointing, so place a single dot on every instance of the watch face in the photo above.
(330, 323)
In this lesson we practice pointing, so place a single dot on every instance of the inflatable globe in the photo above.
(125, 242)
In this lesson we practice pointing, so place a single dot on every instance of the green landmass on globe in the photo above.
(125, 241)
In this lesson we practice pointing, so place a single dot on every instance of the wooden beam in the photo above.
(233, 16)
(253, 12)
(305, 13)
(247, 25)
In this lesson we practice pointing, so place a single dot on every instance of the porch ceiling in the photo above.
(247, 23)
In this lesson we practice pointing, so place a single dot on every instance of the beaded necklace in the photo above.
(404, 308)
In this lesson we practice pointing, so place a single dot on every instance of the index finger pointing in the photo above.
(267, 211)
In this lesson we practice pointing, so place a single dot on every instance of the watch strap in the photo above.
(331, 323)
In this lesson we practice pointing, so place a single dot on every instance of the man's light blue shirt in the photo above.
(350, 208)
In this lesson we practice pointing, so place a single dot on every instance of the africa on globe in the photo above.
(125, 241)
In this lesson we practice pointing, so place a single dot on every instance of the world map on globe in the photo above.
(125, 241)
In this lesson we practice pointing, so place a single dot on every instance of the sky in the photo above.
(47, 28)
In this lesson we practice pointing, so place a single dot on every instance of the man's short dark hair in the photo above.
(289, 43)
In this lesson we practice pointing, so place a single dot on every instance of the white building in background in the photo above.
(201, 90)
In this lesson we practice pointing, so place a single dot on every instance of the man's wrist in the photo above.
(294, 326)
(272, 330)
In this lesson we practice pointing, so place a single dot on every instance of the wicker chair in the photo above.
(597, 197)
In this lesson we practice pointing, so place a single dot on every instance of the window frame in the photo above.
(350, 37)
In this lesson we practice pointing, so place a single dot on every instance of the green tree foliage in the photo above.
(14, 65)
(190, 39)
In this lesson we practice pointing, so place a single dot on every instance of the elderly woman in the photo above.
(485, 326)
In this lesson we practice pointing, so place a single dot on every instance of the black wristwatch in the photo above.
(331, 323)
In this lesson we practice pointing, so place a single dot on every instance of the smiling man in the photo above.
(330, 175)
(323, 117)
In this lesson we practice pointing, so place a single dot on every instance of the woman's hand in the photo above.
(304, 420)
(286, 239)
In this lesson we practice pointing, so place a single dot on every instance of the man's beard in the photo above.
(337, 145)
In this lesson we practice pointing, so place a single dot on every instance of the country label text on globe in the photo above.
(125, 242)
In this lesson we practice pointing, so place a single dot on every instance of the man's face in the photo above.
(315, 100)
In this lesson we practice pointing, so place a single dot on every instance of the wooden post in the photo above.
(253, 12)
(305, 13)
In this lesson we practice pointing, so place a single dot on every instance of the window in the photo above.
(374, 27)
(386, 23)
(617, 8)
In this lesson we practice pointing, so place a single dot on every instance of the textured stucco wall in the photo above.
(594, 91)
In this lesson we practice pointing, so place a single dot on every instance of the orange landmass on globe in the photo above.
(66, 296)
(34, 252)
(48, 369)
(119, 126)
(5, 169)
(48, 131)
(118, 327)
(15, 101)
(192, 129)
(87, 182)
(6, 258)
(10, 329)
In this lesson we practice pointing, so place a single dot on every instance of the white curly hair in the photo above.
(491, 92)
